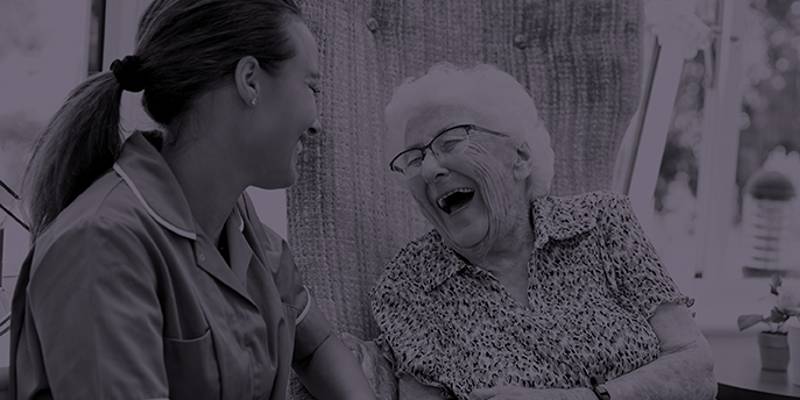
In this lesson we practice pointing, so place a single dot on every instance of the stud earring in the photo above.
(253, 101)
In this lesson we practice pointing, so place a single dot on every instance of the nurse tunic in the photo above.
(124, 297)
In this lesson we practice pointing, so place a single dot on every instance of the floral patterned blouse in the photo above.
(594, 281)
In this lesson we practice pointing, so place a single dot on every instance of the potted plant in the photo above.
(772, 342)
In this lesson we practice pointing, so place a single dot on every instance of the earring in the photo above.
(253, 101)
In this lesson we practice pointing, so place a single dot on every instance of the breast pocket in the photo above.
(192, 368)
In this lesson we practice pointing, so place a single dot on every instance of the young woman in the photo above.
(150, 276)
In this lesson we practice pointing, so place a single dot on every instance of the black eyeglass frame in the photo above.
(468, 128)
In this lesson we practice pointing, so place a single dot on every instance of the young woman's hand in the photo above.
(520, 393)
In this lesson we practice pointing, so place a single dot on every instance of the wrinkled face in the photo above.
(459, 192)
(286, 111)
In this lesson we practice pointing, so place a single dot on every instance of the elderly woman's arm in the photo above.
(641, 284)
(683, 371)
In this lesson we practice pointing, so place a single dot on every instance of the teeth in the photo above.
(441, 203)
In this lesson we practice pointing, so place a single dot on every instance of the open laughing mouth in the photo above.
(455, 200)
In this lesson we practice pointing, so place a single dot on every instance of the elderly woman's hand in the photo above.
(520, 393)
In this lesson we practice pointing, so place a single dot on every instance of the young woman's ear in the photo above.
(522, 161)
(246, 77)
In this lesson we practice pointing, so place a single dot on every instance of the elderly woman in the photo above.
(516, 294)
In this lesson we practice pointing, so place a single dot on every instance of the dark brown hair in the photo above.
(183, 47)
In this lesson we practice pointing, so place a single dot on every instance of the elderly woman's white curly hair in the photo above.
(492, 97)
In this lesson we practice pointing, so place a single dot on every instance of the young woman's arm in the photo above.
(92, 321)
(325, 366)
(333, 373)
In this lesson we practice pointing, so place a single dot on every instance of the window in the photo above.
(46, 48)
(728, 119)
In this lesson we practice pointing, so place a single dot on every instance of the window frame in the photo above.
(716, 272)
(84, 54)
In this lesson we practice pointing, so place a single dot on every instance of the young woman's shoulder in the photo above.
(107, 212)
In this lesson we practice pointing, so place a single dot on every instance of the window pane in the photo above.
(44, 53)
(768, 172)
(733, 145)
(673, 228)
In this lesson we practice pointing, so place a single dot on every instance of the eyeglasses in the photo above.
(409, 162)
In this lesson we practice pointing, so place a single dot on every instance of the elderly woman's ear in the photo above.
(522, 161)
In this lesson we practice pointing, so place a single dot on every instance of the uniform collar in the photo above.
(553, 218)
(144, 170)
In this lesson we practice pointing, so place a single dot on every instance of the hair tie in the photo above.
(128, 73)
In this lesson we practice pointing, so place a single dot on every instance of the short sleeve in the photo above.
(381, 300)
(639, 278)
(93, 289)
(312, 328)
(406, 339)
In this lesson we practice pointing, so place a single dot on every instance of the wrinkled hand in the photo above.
(520, 393)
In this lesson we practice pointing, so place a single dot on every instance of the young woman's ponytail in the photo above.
(80, 143)
(183, 48)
